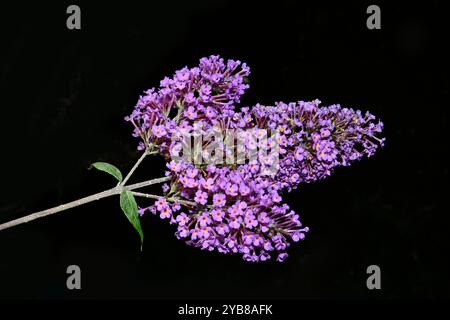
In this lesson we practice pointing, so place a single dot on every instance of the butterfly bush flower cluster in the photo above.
(237, 206)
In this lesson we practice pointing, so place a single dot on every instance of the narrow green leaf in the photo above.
(130, 208)
(108, 168)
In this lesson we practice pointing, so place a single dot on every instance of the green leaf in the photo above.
(108, 168)
(130, 208)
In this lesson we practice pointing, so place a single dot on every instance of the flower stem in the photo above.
(175, 200)
(107, 193)
(133, 169)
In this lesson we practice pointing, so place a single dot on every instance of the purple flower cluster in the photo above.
(237, 207)
(204, 93)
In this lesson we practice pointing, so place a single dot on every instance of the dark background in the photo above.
(64, 95)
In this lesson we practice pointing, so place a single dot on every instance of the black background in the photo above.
(64, 95)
